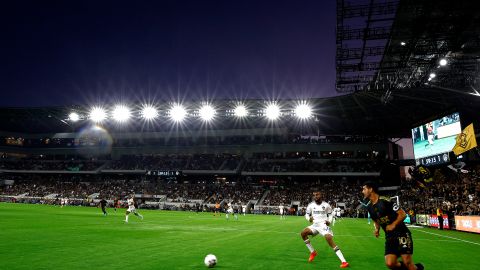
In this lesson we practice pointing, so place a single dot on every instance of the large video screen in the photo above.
(434, 140)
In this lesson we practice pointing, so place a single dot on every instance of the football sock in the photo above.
(126, 218)
(339, 254)
(309, 246)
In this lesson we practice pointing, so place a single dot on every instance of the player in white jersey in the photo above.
(231, 211)
(132, 209)
(337, 213)
(281, 210)
(319, 214)
(244, 209)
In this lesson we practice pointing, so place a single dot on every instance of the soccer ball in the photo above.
(210, 260)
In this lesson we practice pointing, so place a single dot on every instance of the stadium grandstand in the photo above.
(263, 146)
(411, 64)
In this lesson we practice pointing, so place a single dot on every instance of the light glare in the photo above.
(178, 113)
(97, 114)
(443, 62)
(272, 112)
(149, 113)
(121, 113)
(241, 111)
(303, 111)
(74, 117)
(207, 112)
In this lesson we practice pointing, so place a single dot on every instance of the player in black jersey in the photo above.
(398, 239)
(103, 204)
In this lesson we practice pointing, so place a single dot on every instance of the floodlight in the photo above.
(178, 113)
(98, 114)
(403, 43)
(433, 75)
(272, 112)
(121, 113)
(207, 112)
(149, 112)
(241, 111)
(303, 111)
(443, 62)
(74, 117)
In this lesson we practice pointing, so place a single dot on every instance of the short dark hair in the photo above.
(372, 185)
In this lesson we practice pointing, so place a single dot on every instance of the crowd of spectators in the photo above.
(102, 140)
(175, 162)
(50, 165)
(452, 191)
(308, 165)
(259, 162)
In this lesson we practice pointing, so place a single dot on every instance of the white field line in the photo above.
(454, 238)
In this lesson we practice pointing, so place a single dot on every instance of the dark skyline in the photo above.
(75, 52)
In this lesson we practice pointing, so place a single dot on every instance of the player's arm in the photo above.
(401, 215)
(308, 213)
(376, 232)
(329, 215)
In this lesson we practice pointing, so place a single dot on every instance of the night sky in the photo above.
(78, 52)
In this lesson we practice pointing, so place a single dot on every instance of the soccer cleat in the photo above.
(419, 266)
(344, 265)
(312, 256)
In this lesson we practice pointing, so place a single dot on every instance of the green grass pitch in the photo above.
(50, 237)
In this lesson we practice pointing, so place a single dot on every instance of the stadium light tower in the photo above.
(97, 114)
(73, 117)
(121, 113)
(149, 112)
(207, 112)
(272, 112)
(303, 111)
(240, 111)
(178, 113)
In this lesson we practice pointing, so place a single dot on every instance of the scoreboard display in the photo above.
(163, 173)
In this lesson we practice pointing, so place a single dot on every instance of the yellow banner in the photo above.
(465, 140)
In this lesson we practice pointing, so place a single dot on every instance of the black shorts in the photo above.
(399, 244)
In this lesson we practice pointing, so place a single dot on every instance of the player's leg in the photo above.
(304, 234)
(391, 261)
(126, 215)
(138, 215)
(104, 211)
(336, 249)
(407, 260)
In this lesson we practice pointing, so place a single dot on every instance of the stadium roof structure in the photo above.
(399, 63)
(413, 44)
(362, 113)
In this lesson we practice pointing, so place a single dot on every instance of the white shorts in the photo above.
(430, 139)
(281, 212)
(230, 211)
(320, 228)
(131, 209)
